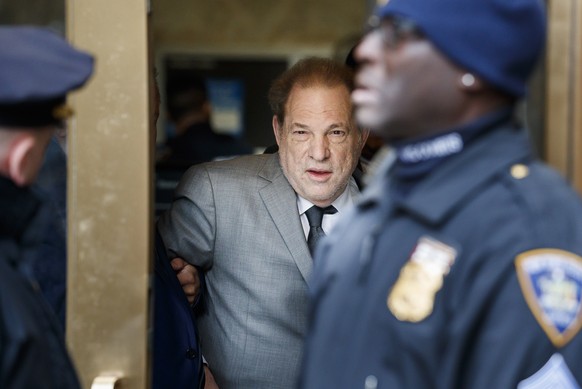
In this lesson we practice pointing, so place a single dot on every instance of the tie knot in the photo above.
(315, 214)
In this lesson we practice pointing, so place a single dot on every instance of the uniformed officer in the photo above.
(37, 69)
(460, 267)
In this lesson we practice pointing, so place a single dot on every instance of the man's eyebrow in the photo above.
(332, 126)
(300, 125)
(336, 125)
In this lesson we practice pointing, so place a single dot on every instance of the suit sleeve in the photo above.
(188, 227)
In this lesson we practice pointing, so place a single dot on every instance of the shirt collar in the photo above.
(341, 203)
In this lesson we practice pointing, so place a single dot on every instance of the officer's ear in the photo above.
(471, 83)
(25, 157)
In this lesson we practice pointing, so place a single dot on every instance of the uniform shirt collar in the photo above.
(415, 158)
(437, 194)
(18, 206)
(440, 192)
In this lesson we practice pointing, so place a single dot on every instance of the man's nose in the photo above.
(319, 148)
(369, 47)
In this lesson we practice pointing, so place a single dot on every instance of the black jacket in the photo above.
(177, 362)
(32, 347)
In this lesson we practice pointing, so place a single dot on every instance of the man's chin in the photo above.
(318, 197)
(325, 195)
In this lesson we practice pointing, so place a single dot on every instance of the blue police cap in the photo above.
(499, 40)
(37, 69)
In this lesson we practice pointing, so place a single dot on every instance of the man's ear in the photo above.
(365, 133)
(276, 128)
(20, 159)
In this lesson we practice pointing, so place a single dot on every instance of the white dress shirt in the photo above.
(342, 204)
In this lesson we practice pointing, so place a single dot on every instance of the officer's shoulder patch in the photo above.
(554, 374)
(551, 282)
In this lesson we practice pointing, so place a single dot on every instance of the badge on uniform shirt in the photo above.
(551, 281)
(412, 296)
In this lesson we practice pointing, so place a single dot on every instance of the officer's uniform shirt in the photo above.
(459, 270)
(32, 345)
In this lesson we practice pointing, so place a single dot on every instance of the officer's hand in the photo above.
(188, 277)
(210, 383)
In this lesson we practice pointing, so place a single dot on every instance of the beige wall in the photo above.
(281, 29)
(563, 141)
(255, 25)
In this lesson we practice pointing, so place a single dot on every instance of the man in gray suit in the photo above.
(243, 223)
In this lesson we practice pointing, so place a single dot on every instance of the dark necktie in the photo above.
(315, 216)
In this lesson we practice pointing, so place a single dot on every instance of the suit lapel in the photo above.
(281, 203)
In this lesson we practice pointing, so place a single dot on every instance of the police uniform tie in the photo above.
(315, 216)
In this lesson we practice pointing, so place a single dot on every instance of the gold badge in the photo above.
(412, 297)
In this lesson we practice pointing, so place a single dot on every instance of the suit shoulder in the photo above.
(234, 166)
(248, 170)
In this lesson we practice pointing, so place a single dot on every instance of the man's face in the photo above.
(404, 86)
(319, 145)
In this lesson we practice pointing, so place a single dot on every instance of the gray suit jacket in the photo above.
(238, 220)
